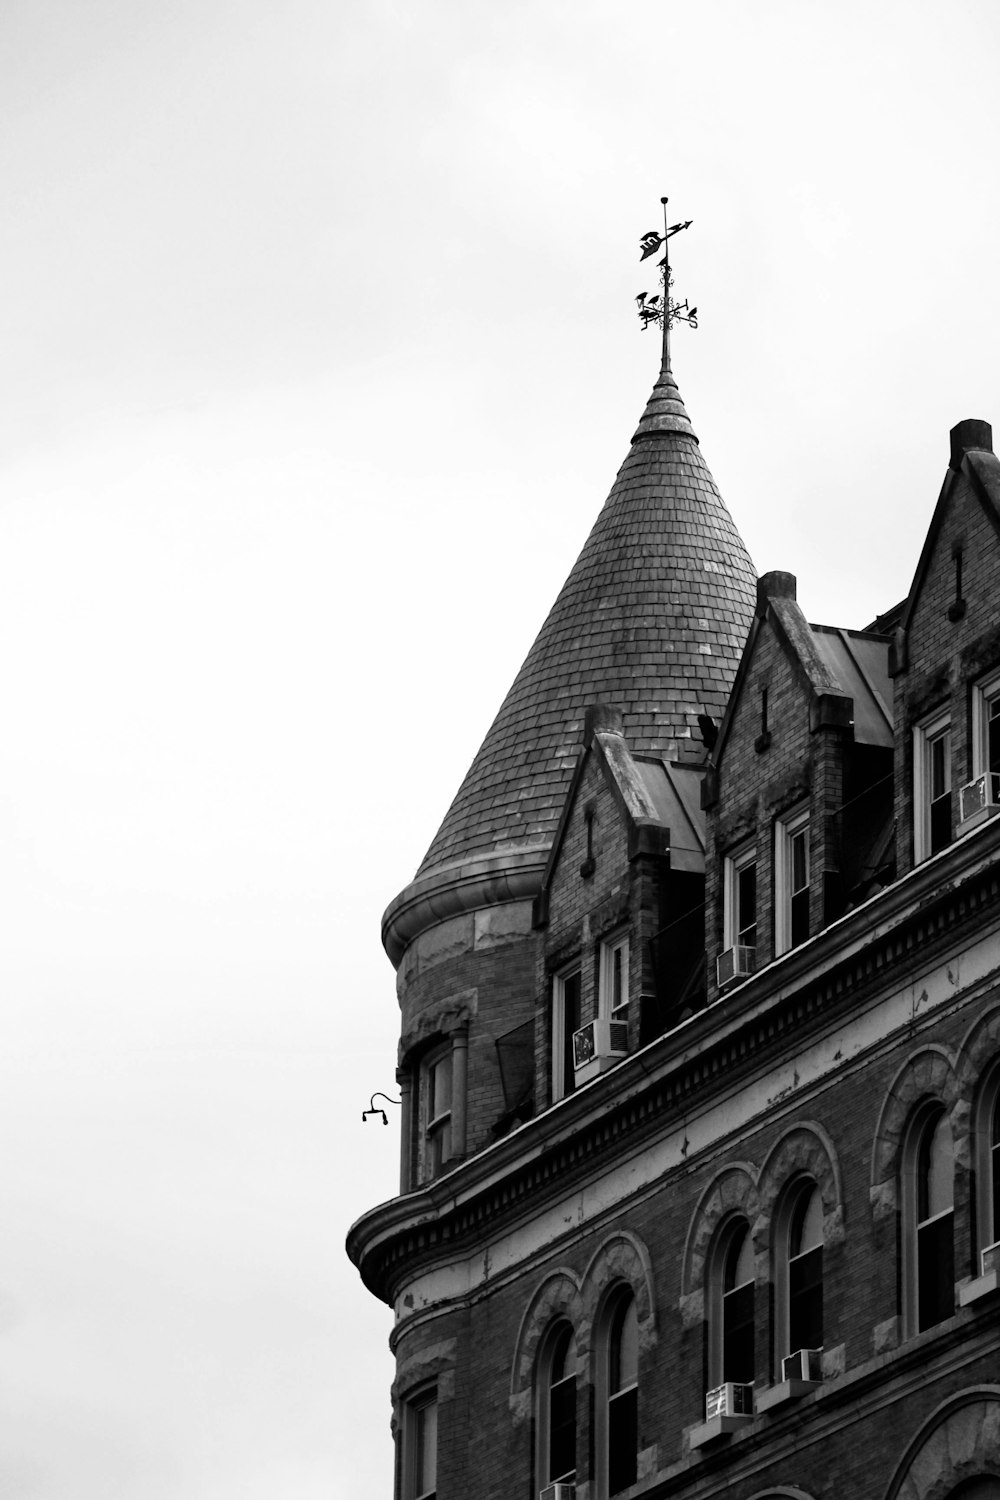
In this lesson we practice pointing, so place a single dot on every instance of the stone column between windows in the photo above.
(459, 1075)
(405, 1080)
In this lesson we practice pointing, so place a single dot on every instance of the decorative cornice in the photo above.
(464, 886)
(847, 963)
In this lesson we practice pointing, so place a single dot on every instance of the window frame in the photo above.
(794, 1210)
(415, 1414)
(786, 830)
(610, 949)
(736, 862)
(924, 1239)
(553, 1347)
(986, 1123)
(985, 693)
(563, 1075)
(925, 737)
(616, 1404)
(435, 1128)
(736, 1229)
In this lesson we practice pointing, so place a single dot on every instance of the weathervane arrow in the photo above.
(664, 313)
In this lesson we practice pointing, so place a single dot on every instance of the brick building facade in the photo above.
(700, 1052)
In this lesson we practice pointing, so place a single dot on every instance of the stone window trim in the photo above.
(803, 1150)
(558, 1297)
(621, 1260)
(929, 1073)
(441, 1020)
(731, 1192)
(979, 1074)
(960, 1440)
(431, 1366)
(780, 1492)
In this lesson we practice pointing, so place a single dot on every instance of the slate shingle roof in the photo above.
(652, 619)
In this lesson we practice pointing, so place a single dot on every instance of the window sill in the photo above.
(982, 1286)
(715, 1428)
(783, 1392)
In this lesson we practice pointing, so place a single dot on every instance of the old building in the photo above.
(700, 1054)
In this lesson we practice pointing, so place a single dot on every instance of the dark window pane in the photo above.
(805, 1300)
(941, 822)
(746, 905)
(737, 1334)
(623, 1440)
(571, 1023)
(800, 917)
(993, 734)
(935, 1271)
(562, 1429)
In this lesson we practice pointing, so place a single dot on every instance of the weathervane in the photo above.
(663, 310)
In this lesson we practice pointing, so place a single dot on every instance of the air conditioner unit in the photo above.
(599, 1040)
(804, 1364)
(729, 1400)
(990, 1259)
(735, 963)
(979, 799)
(559, 1491)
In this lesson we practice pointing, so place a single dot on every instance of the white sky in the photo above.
(317, 360)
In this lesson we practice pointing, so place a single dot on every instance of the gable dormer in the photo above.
(947, 660)
(620, 908)
(798, 789)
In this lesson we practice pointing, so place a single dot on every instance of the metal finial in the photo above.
(662, 310)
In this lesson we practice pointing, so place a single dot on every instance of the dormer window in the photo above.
(986, 726)
(613, 990)
(932, 829)
(437, 1104)
(565, 1020)
(791, 882)
(740, 899)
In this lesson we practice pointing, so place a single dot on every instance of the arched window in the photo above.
(928, 1220)
(987, 1487)
(800, 1273)
(556, 1406)
(618, 1425)
(987, 1121)
(731, 1306)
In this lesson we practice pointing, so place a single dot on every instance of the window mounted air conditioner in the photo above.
(979, 799)
(559, 1491)
(729, 1400)
(990, 1259)
(599, 1040)
(736, 963)
(804, 1364)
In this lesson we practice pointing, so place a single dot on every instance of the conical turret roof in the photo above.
(652, 619)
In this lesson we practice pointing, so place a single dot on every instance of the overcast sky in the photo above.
(318, 357)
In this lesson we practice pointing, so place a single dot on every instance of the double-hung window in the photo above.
(730, 1292)
(621, 1430)
(437, 1080)
(613, 990)
(420, 1447)
(986, 726)
(928, 1220)
(791, 881)
(932, 827)
(556, 1407)
(565, 1020)
(740, 899)
(804, 1271)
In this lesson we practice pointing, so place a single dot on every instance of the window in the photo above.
(740, 899)
(437, 1080)
(420, 1447)
(931, 787)
(799, 1272)
(613, 991)
(731, 1307)
(986, 726)
(791, 882)
(618, 1418)
(565, 1020)
(987, 1123)
(928, 1214)
(556, 1407)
